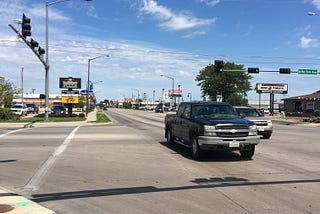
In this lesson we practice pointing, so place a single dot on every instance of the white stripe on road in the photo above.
(35, 181)
(11, 132)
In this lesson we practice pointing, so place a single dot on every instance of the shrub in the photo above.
(6, 114)
(317, 113)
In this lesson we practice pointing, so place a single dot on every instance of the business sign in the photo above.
(70, 92)
(307, 71)
(176, 93)
(70, 82)
(73, 100)
(272, 88)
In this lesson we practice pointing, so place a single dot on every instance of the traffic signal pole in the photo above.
(28, 44)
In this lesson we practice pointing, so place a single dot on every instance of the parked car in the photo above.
(33, 108)
(58, 110)
(20, 109)
(264, 124)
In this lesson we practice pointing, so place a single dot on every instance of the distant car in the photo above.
(20, 109)
(264, 124)
(159, 109)
(33, 108)
(58, 110)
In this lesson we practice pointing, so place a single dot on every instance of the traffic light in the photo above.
(33, 44)
(253, 70)
(41, 51)
(284, 70)
(218, 66)
(26, 26)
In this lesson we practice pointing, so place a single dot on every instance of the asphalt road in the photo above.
(126, 167)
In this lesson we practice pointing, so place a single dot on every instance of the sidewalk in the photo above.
(11, 203)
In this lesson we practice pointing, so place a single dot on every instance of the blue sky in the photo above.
(148, 38)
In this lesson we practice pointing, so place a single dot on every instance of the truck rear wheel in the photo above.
(195, 149)
(170, 137)
(248, 153)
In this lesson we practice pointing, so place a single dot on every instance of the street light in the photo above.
(88, 82)
(190, 96)
(153, 93)
(172, 86)
(138, 96)
(46, 117)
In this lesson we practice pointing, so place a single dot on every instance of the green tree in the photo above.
(232, 85)
(7, 91)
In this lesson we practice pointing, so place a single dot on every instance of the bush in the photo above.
(6, 114)
(317, 113)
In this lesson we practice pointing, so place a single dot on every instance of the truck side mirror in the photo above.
(242, 115)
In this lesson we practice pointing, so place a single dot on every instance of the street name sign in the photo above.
(307, 71)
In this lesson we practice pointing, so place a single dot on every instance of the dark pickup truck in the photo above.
(211, 126)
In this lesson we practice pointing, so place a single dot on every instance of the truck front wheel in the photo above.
(195, 149)
(248, 153)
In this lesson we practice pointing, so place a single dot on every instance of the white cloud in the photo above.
(210, 3)
(172, 21)
(308, 42)
(314, 2)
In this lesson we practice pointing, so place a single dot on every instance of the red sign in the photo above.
(175, 92)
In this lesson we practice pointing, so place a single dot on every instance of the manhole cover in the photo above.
(5, 208)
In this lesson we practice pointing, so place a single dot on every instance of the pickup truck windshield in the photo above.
(214, 111)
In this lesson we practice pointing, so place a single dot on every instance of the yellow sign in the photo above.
(70, 99)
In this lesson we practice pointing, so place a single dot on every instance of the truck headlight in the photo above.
(253, 130)
(209, 130)
(269, 123)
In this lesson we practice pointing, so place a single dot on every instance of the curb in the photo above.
(12, 203)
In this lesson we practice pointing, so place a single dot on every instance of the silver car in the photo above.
(264, 124)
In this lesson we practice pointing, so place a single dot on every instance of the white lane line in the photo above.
(35, 181)
(11, 132)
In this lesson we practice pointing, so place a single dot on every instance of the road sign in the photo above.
(307, 71)
(84, 92)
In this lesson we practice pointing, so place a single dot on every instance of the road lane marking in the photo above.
(35, 181)
(11, 132)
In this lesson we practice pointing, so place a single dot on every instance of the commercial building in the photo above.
(303, 105)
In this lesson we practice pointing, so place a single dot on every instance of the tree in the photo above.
(7, 91)
(232, 85)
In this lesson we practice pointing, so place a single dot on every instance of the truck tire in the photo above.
(247, 153)
(170, 137)
(196, 151)
(266, 136)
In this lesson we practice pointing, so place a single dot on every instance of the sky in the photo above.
(149, 38)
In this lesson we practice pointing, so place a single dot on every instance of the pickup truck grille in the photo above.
(231, 134)
(261, 123)
(232, 131)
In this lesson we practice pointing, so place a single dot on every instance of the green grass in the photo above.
(102, 118)
(283, 122)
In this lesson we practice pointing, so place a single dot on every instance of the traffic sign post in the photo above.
(307, 71)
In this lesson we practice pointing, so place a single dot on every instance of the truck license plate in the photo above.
(233, 144)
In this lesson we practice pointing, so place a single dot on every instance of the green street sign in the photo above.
(307, 71)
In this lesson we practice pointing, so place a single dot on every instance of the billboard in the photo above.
(272, 88)
(70, 82)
